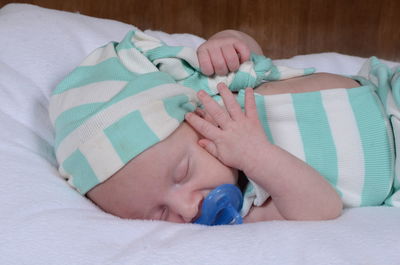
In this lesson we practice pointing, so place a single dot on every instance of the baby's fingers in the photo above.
(217, 113)
(202, 126)
(231, 105)
(231, 58)
(205, 61)
(243, 51)
(204, 115)
(250, 104)
(218, 61)
(209, 146)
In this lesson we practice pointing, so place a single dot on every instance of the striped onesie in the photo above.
(347, 135)
(127, 96)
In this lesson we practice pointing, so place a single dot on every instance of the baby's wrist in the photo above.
(254, 164)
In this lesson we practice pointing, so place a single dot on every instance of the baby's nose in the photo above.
(188, 205)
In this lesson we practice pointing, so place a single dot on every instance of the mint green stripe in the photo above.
(375, 141)
(273, 74)
(84, 177)
(130, 136)
(319, 147)
(262, 64)
(185, 67)
(242, 80)
(110, 69)
(163, 52)
(309, 71)
(71, 119)
(140, 83)
(382, 72)
(126, 43)
(261, 102)
(177, 106)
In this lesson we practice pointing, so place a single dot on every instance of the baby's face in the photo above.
(166, 182)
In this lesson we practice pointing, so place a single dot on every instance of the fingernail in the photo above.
(221, 85)
(201, 143)
(201, 93)
(200, 112)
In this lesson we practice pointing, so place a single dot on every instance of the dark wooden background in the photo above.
(283, 28)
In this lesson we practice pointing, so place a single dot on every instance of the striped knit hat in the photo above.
(127, 96)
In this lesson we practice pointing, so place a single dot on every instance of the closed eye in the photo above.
(182, 171)
(164, 213)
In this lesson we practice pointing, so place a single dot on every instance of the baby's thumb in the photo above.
(209, 146)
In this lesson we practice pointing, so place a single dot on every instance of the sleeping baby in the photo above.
(146, 131)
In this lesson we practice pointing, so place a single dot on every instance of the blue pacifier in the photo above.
(222, 206)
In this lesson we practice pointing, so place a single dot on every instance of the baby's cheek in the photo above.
(210, 170)
(117, 196)
(225, 174)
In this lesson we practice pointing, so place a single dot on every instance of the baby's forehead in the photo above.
(176, 144)
(182, 136)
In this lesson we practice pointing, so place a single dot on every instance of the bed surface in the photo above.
(44, 221)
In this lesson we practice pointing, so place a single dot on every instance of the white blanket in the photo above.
(44, 221)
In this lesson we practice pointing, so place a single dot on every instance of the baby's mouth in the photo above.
(220, 206)
(198, 211)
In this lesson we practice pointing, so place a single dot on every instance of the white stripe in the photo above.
(252, 72)
(288, 72)
(248, 67)
(101, 156)
(214, 81)
(145, 42)
(173, 67)
(282, 122)
(395, 199)
(100, 55)
(136, 62)
(108, 116)
(346, 136)
(365, 69)
(91, 93)
(189, 55)
(65, 175)
(156, 117)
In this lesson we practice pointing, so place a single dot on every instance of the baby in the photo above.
(168, 180)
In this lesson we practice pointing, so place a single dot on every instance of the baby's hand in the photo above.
(222, 55)
(235, 137)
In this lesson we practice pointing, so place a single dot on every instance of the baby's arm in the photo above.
(225, 51)
(298, 191)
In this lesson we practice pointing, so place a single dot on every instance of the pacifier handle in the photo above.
(222, 206)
